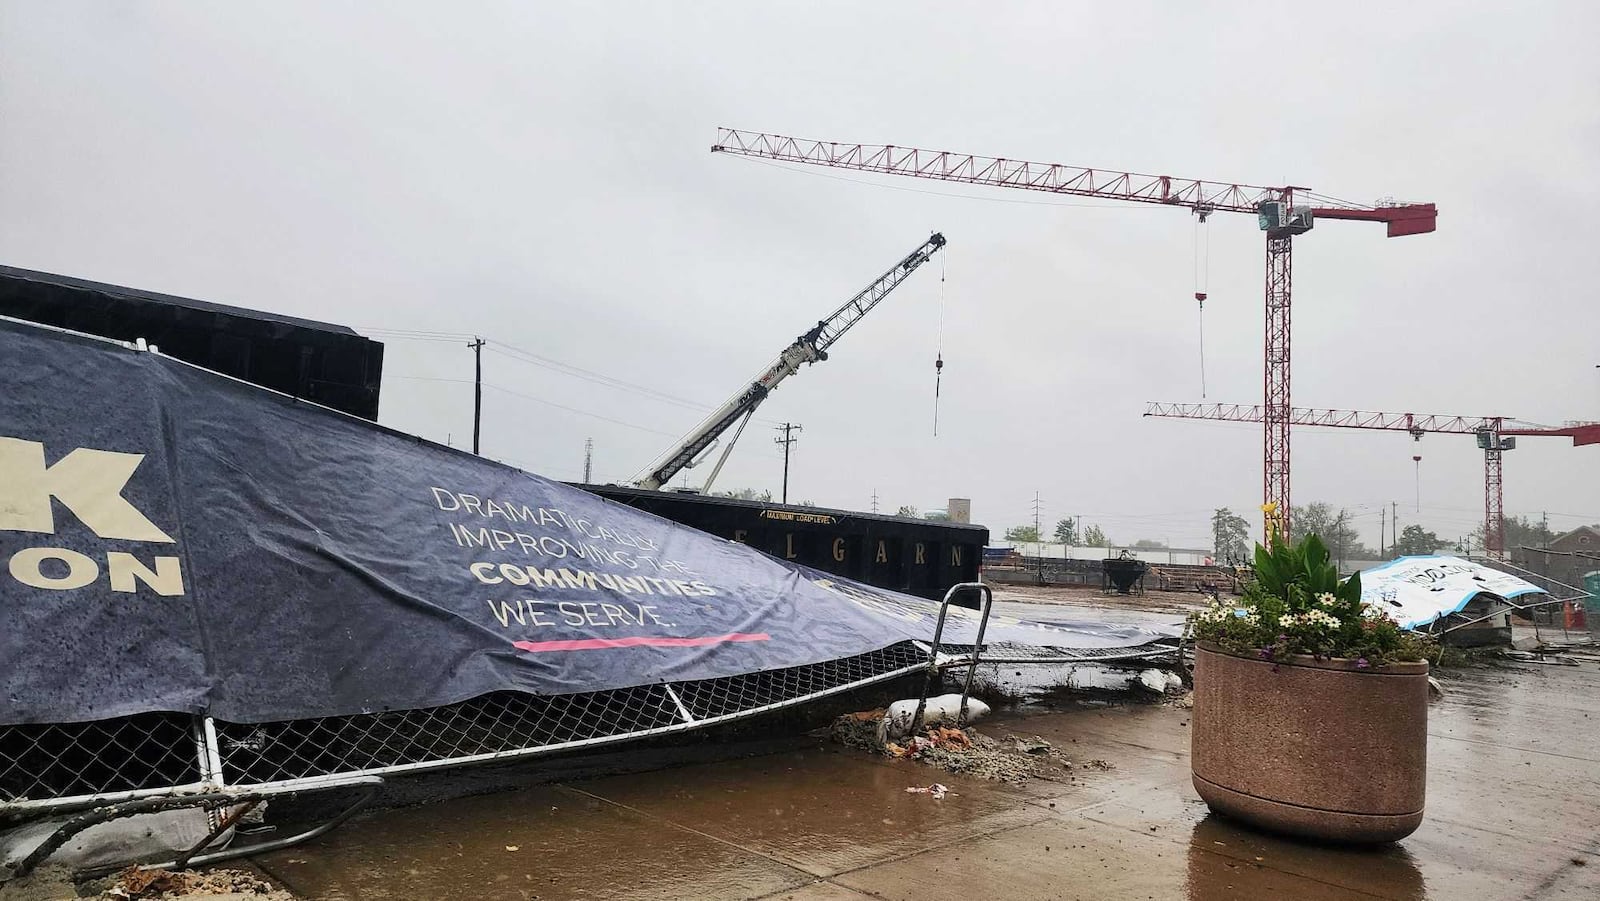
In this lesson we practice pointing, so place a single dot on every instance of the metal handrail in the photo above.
(934, 665)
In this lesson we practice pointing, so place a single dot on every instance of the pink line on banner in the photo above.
(590, 644)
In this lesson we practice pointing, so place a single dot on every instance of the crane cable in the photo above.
(1202, 275)
(938, 360)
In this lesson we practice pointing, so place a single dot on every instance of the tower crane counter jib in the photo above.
(811, 347)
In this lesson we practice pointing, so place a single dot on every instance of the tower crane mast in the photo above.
(811, 347)
(1495, 434)
(1282, 212)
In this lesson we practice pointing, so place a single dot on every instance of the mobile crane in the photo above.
(811, 347)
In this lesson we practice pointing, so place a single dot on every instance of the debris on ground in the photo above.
(897, 720)
(1030, 746)
(134, 884)
(1014, 759)
(1548, 659)
(937, 790)
(1160, 681)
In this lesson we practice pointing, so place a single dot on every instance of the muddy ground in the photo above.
(1152, 606)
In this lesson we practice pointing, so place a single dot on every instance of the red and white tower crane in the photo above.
(1496, 435)
(1282, 213)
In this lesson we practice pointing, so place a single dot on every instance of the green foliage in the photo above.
(1296, 604)
(1148, 543)
(1414, 540)
(1230, 536)
(1066, 532)
(1022, 533)
(1520, 532)
(1334, 527)
(908, 511)
(1094, 537)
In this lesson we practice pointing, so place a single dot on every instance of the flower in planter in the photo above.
(1296, 604)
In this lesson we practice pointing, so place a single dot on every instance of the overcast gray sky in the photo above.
(539, 174)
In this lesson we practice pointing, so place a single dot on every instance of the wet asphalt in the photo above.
(1513, 813)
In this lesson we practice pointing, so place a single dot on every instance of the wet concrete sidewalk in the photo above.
(1513, 813)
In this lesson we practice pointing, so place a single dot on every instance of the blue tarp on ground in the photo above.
(178, 540)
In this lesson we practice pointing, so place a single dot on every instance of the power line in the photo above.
(540, 400)
(527, 356)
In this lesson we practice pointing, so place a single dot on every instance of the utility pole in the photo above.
(588, 461)
(874, 500)
(787, 441)
(1338, 532)
(1394, 523)
(477, 392)
(1383, 521)
(1037, 536)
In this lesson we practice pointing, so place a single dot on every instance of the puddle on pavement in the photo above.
(1221, 856)
(755, 826)
(545, 843)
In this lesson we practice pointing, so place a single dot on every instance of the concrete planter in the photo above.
(1315, 748)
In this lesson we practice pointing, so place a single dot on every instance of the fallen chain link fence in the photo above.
(51, 768)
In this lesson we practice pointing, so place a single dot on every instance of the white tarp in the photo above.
(1415, 591)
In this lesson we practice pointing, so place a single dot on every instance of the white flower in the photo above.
(1219, 612)
(1315, 618)
(1327, 599)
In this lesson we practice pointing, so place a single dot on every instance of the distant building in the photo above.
(1569, 557)
(959, 509)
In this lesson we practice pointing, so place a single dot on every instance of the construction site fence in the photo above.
(1564, 614)
(52, 768)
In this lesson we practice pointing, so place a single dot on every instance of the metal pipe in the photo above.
(987, 594)
(372, 785)
(933, 649)
(95, 817)
(222, 826)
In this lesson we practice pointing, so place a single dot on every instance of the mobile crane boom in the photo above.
(811, 347)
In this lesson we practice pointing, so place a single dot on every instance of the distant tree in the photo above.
(1312, 519)
(1066, 532)
(746, 494)
(936, 516)
(1521, 532)
(1414, 540)
(1334, 527)
(1149, 543)
(1230, 537)
(908, 512)
(1022, 533)
(1094, 537)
